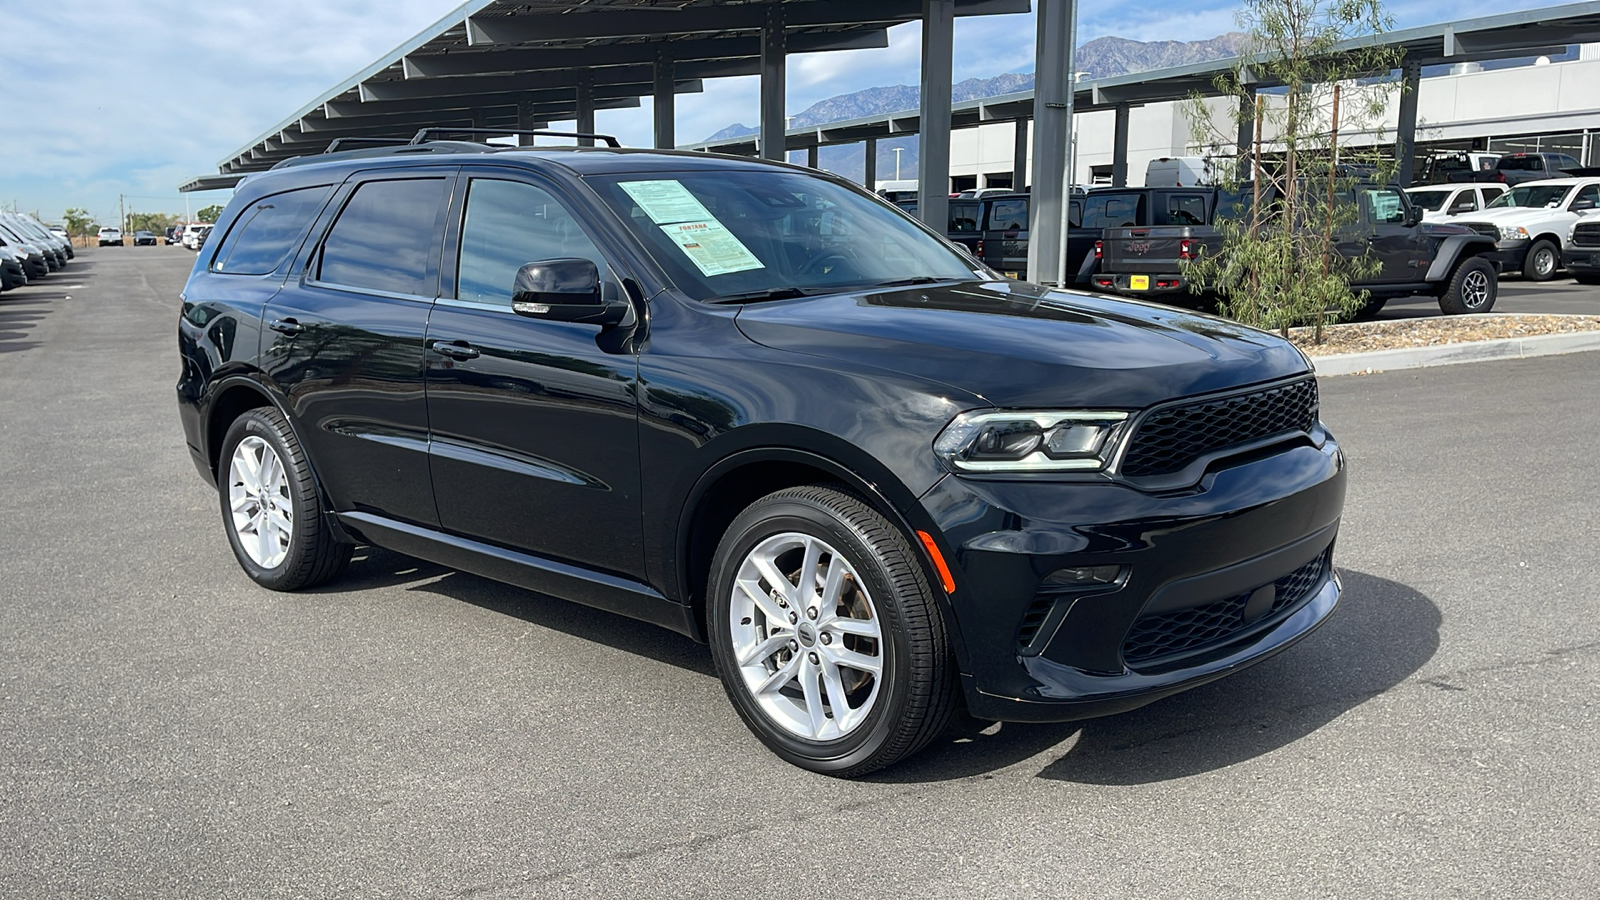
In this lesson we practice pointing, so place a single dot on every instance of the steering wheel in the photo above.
(818, 264)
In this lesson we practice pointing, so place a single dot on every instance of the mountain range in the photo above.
(1104, 57)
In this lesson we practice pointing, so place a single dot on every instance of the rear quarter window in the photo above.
(384, 236)
(268, 231)
(1008, 215)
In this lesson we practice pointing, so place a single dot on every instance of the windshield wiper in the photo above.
(783, 293)
(907, 282)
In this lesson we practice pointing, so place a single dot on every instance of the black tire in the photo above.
(1473, 288)
(1369, 310)
(1542, 262)
(917, 692)
(1587, 278)
(313, 555)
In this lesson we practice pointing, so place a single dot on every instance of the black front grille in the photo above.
(1586, 234)
(1171, 438)
(1485, 229)
(1156, 637)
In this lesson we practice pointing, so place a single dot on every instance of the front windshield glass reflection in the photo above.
(1532, 197)
(752, 235)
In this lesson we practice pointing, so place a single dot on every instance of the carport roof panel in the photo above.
(496, 37)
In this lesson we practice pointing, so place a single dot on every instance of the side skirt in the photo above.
(612, 593)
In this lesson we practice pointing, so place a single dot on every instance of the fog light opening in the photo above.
(1081, 577)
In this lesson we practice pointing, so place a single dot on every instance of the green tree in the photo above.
(156, 223)
(79, 222)
(210, 213)
(1279, 263)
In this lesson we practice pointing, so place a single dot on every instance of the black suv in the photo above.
(755, 404)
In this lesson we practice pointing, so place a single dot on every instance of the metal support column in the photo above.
(811, 156)
(525, 122)
(869, 178)
(933, 156)
(1247, 136)
(1019, 157)
(1052, 122)
(1405, 144)
(773, 90)
(665, 102)
(1119, 148)
(585, 97)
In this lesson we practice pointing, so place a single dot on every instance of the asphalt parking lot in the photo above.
(169, 729)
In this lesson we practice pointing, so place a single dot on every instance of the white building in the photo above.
(1553, 107)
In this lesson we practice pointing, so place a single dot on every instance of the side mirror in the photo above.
(1413, 216)
(564, 290)
(1581, 205)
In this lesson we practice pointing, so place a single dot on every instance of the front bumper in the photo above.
(1581, 260)
(1189, 560)
(1510, 255)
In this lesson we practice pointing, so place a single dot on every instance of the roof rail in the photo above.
(422, 136)
(364, 141)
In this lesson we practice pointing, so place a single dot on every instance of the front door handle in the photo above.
(454, 349)
(286, 326)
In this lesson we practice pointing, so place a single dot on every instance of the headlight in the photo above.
(1513, 233)
(1031, 441)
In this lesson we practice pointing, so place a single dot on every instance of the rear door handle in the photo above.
(286, 326)
(454, 349)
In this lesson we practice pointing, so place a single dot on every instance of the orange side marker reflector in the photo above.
(938, 562)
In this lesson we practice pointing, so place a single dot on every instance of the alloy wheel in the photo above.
(1475, 290)
(258, 495)
(806, 637)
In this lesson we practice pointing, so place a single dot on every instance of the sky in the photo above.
(105, 100)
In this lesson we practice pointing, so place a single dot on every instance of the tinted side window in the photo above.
(1124, 211)
(508, 225)
(1383, 206)
(1075, 214)
(1185, 209)
(383, 236)
(963, 217)
(1591, 193)
(1008, 215)
(266, 232)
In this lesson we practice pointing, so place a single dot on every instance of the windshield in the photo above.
(1532, 197)
(746, 234)
(1432, 201)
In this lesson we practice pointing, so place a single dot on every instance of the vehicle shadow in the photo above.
(20, 311)
(374, 567)
(1381, 633)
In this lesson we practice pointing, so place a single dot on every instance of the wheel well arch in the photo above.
(738, 480)
(231, 402)
(1551, 237)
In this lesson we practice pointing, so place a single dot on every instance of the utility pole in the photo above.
(122, 213)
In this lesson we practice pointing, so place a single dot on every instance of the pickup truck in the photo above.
(1518, 168)
(1582, 256)
(1531, 223)
(1447, 261)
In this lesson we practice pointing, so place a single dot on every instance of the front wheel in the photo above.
(1472, 288)
(271, 507)
(826, 633)
(1542, 261)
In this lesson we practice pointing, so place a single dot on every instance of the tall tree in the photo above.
(79, 222)
(209, 213)
(1281, 263)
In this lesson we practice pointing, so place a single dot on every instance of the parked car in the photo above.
(31, 231)
(144, 239)
(1582, 255)
(12, 272)
(751, 403)
(51, 258)
(191, 234)
(1446, 261)
(1455, 168)
(1532, 220)
(1180, 171)
(32, 259)
(110, 236)
(1520, 168)
(174, 234)
(1440, 203)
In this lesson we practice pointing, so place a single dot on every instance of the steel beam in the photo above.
(584, 111)
(1246, 138)
(933, 151)
(489, 61)
(1052, 123)
(349, 109)
(773, 124)
(1405, 144)
(665, 111)
(1019, 156)
(869, 177)
(612, 22)
(1119, 147)
(533, 81)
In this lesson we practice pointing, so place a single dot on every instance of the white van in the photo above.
(1178, 171)
(191, 234)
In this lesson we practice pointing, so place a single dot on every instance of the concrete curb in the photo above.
(1451, 354)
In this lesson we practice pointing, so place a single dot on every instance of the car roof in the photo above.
(1568, 181)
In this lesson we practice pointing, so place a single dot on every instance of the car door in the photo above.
(344, 341)
(1388, 238)
(964, 224)
(1006, 237)
(1465, 201)
(534, 423)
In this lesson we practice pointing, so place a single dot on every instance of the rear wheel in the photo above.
(271, 507)
(1542, 261)
(1473, 288)
(1369, 310)
(826, 633)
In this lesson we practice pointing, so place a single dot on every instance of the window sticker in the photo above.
(712, 248)
(667, 201)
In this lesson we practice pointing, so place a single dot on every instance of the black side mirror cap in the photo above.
(564, 290)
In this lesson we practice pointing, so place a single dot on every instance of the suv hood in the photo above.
(1020, 345)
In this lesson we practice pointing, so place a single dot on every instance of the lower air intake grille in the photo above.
(1155, 637)
(1171, 438)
